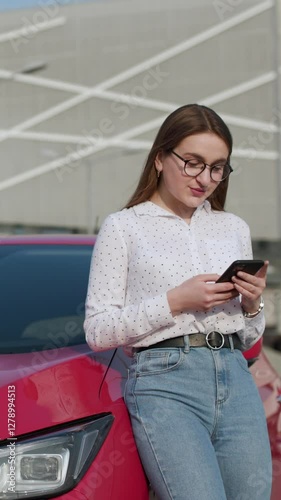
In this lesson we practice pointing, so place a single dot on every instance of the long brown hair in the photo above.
(185, 121)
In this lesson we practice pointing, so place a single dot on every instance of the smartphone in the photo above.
(247, 266)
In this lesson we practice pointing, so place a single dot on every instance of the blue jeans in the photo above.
(199, 424)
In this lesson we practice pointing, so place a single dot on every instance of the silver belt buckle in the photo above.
(216, 348)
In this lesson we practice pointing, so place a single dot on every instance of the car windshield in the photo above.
(43, 296)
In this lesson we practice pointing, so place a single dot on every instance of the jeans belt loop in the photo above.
(231, 343)
(186, 343)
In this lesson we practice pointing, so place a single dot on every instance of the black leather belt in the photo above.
(213, 340)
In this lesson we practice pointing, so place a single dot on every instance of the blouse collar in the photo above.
(150, 208)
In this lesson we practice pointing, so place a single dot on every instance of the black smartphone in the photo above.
(247, 266)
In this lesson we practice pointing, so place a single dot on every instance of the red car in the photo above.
(64, 429)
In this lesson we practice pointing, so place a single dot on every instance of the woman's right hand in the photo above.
(200, 293)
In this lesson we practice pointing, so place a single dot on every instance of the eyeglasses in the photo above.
(195, 167)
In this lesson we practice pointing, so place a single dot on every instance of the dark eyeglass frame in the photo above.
(186, 162)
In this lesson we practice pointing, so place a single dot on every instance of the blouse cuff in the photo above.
(158, 312)
(254, 329)
(257, 321)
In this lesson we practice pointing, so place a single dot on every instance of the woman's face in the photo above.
(179, 192)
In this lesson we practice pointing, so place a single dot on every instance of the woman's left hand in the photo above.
(251, 287)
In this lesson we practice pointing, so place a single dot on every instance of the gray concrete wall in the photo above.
(100, 40)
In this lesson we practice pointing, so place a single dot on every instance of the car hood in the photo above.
(56, 386)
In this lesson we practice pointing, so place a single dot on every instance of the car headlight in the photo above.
(50, 463)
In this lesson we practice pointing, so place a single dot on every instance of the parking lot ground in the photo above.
(274, 358)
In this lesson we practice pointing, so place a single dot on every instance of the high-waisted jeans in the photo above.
(199, 424)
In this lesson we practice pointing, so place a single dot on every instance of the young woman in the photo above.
(196, 414)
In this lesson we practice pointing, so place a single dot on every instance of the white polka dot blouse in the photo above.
(144, 251)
